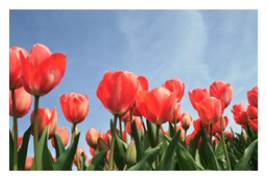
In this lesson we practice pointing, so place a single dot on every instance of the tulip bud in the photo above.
(19, 141)
(131, 153)
(92, 136)
(64, 136)
(186, 121)
(28, 163)
(228, 134)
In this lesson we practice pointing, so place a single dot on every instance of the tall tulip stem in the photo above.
(157, 135)
(224, 146)
(15, 130)
(73, 132)
(120, 123)
(113, 131)
(210, 133)
(36, 132)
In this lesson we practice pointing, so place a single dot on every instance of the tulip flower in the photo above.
(209, 110)
(139, 124)
(74, 106)
(240, 114)
(20, 140)
(197, 95)
(63, 134)
(223, 91)
(157, 105)
(92, 151)
(42, 70)
(23, 102)
(186, 120)
(228, 134)
(28, 163)
(252, 96)
(117, 91)
(46, 117)
(144, 87)
(252, 112)
(254, 124)
(216, 128)
(92, 136)
(77, 157)
(176, 86)
(177, 114)
(15, 66)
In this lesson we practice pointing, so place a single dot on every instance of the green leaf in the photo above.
(22, 154)
(244, 161)
(137, 139)
(184, 158)
(149, 157)
(219, 153)
(167, 159)
(98, 161)
(65, 160)
(194, 144)
(58, 145)
(11, 148)
(151, 130)
(206, 152)
(119, 152)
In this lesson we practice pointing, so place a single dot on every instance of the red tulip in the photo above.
(42, 70)
(28, 163)
(138, 123)
(79, 153)
(240, 114)
(197, 95)
(228, 134)
(126, 117)
(252, 112)
(117, 91)
(15, 66)
(23, 102)
(107, 137)
(143, 82)
(157, 105)
(177, 114)
(64, 136)
(92, 136)
(252, 96)
(223, 91)
(74, 106)
(186, 120)
(92, 151)
(182, 131)
(144, 87)
(216, 128)
(196, 125)
(176, 86)
(44, 118)
(209, 110)
(254, 124)
(19, 142)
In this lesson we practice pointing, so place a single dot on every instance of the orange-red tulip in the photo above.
(209, 110)
(74, 106)
(223, 91)
(15, 66)
(186, 120)
(252, 112)
(117, 91)
(182, 132)
(44, 118)
(63, 134)
(143, 87)
(254, 124)
(252, 96)
(28, 163)
(79, 153)
(158, 105)
(197, 95)
(177, 114)
(42, 70)
(240, 114)
(216, 128)
(176, 86)
(92, 151)
(92, 136)
(138, 123)
(228, 134)
(23, 102)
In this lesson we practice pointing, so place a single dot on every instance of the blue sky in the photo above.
(197, 47)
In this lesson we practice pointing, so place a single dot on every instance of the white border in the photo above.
(137, 4)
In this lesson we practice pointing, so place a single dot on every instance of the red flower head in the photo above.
(182, 135)
(79, 153)
(228, 134)
(28, 163)
(117, 91)
(20, 141)
(197, 95)
(176, 86)
(254, 124)
(223, 91)
(42, 70)
(240, 114)
(92, 151)
(107, 137)
(138, 123)
(252, 112)
(23, 102)
(74, 106)
(157, 105)
(125, 117)
(216, 128)
(186, 120)
(252, 96)
(44, 118)
(177, 114)
(92, 136)
(15, 66)
(209, 110)
(64, 136)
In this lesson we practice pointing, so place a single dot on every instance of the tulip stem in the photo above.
(113, 131)
(36, 133)
(15, 131)
(157, 135)
(224, 146)
(120, 126)
(210, 133)
(73, 134)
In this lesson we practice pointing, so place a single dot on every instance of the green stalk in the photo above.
(113, 129)
(36, 132)
(120, 126)
(210, 133)
(73, 134)
(224, 146)
(15, 130)
(157, 135)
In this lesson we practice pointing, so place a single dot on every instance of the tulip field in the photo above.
(137, 138)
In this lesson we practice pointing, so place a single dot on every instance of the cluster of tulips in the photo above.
(137, 139)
